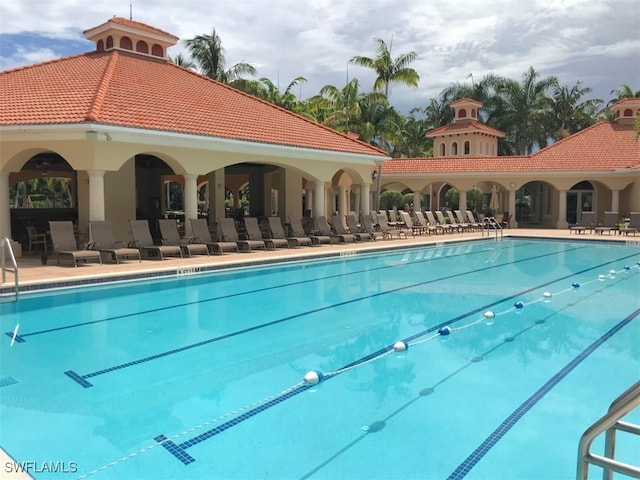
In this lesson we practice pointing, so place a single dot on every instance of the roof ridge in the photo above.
(288, 112)
(98, 101)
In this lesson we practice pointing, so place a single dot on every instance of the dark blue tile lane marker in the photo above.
(21, 338)
(477, 455)
(81, 379)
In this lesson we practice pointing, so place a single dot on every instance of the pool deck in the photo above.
(32, 273)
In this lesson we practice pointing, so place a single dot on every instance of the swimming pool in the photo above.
(202, 376)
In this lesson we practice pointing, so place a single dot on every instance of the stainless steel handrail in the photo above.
(492, 222)
(5, 246)
(610, 423)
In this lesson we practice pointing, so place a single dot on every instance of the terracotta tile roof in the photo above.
(467, 126)
(605, 146)
(122, 89)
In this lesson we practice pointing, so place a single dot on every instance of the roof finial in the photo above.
(130, 11)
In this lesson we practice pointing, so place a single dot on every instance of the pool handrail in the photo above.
(5, 246)
(609, 423)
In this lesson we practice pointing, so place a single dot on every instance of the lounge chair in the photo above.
(354, 229)
(63, 239)
(143, 241)
(277, 232)
(387, 230)
(254, 233)
(297, 230)
(433, 222)
(227, 233)
(461, 220)
(472, 221)
(587, 220)
(322, 227)
(409, 225)
(200, 230)
(634, 224)
(443, 221)
(171, 236)
(609, 222)
(343, 235)
(393, 219)
(101, 233)
(367, 227)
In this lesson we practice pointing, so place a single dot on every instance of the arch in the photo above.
(157, 50)
(628, 112)
(454, 149)
(442, 148)
(126, 43)
(100, 45)
(467, 147)
(109, 42)
(473, 113)
(536, 204)
(142, 47)
(462, 113)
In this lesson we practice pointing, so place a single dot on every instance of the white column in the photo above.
(562, 210)
(615, 200)
(318, 199)
(96, 195)
(365, 195)
(417, 205)
(342, 202)
(462, 197)
(512, 208)
(5, 211)
(308, 199)
(190, 201)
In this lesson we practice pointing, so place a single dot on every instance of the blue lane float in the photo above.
(575, 285)
(444, 331)
(518, 305)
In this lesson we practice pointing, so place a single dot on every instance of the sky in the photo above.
(596, 42)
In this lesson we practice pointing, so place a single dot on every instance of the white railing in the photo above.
(609, 424)
(490, 223)
(5, 246)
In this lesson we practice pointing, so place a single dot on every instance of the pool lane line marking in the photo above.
(81, 379)
(178, 450)
(21, 338)
(465, 467)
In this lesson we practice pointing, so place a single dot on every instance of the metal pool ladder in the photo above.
(489, 223)
(609, 424)
(5, 246)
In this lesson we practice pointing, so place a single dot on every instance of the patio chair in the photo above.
(64, 243)
(367, 227)
(322, 227)
(254, 233)
(171, 236)
(587, 220)
(201, 233)
(36, 238)
(143, 241)
(439, 226)
(451, 226)
(408, 223)
(387, 230)
(393, 219)
(101, 234)
(475, 224)
(354, 229)
(340, 231)
(297, 230)
(609, 222)
(423, 223)
(461, 220)
(227, 232)
(277, 232)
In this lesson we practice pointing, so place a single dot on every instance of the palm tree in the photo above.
(413, 141)
(625, 91)
(208, 54)
(268, 91)
(182, 61)
(483, 91)
(569, 114)
(522, 111)
(388, 69)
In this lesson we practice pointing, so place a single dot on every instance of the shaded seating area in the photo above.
(201, 234)
(64, 244)
(143, 241)
(102, 240)
(254, 233)
(276, 231)
(297, 230)
(171, 237)
(227, 232)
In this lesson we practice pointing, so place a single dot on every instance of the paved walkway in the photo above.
(32, 272)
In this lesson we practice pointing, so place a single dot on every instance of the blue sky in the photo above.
(595, 41)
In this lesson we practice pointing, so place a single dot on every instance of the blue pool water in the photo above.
(201, 377)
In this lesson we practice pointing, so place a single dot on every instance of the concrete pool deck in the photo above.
(33, 274)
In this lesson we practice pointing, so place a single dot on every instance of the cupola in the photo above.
(466, 109)
(119, 33)
(626, 110)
